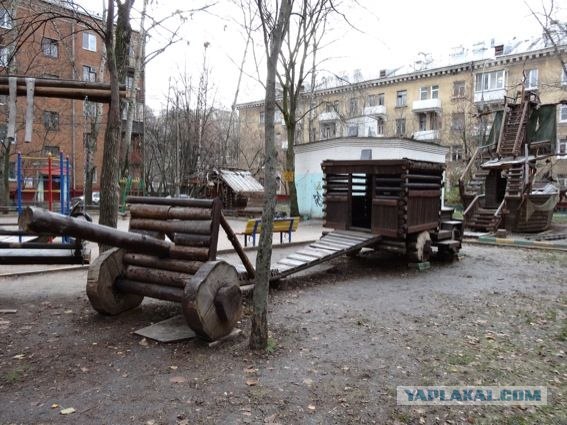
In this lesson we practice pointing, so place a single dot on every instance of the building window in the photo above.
(422, 121)
(434, 92)
(381, 99)
(328, 131)
(353, 106)
(372, 100)
(5, 19)
(51, 120)
(531, 79)
(562, 147)
(89, 41)
(129, 82)
(457, 122)
(456, 153)
(352, 130)
(434, 122)
(459, 89)
(563, 113)
(489, 81)
(400, 127)
(431, 92)
(5, 53)
(401, 98)
(12, 171)
(262, 116)
(89, 109)
(380, 127)
(51, 150)
(49, 47)
(89, 73)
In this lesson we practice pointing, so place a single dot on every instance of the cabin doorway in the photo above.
(361, 201)
(495, 189)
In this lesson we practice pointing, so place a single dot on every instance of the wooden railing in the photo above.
(472, 167)
(472, 208)
(521, 129)
(498, 215)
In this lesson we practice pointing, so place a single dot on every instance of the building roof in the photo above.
(240, 181)
(479, 56)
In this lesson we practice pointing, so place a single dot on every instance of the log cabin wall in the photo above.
(405, 195)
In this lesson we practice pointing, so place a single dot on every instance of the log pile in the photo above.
(169, 254)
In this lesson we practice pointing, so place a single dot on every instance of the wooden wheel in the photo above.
(100, 284)
(213, 301)
(419, 247)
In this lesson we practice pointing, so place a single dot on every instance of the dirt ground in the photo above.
(342, 339)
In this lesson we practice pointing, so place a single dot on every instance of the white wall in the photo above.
(308, 159)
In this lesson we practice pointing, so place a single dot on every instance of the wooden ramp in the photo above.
(331, 245)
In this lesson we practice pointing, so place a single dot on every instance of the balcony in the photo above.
(426, 135)
(329, 116)
(377, 111)
(490, 96)
(426, 105)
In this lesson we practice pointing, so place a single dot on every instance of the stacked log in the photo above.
(182, 269)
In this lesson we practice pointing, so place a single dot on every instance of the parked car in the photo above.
(96, 199)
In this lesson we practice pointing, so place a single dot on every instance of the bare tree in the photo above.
(304, 35)
(274, 27)
(554, 31)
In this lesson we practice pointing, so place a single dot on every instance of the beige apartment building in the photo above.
(444, 102)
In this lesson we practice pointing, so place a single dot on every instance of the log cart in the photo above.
(398, 200)
(183, 269)
(392, 205)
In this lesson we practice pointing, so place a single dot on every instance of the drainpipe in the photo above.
(73, 118)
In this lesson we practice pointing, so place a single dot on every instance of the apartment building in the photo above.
(445, 102)
(65, 47)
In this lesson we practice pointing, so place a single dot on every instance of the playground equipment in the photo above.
(383, 205)
(42, 181)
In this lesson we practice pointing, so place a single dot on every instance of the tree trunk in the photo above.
(290, 168)
(259, 332)
(4, 176)
(117, 41)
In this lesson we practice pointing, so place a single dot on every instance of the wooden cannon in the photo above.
(143, 263)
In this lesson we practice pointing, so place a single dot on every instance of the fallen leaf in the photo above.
(84, 369)
(308, 381)
(54, 406)
(173, 367)
(311, 407)
(183, 422)
(177, 379)
(270, 419)
(251, 382)
(19, 356)
(143, 342)
(250, 370)
(67, 411)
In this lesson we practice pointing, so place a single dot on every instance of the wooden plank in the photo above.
(318, 253)
(300, 257)
(290, 262)
(326, 246)
(337, 241)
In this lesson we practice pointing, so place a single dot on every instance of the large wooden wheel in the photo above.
(100, 284)
(419, 247)
(213, 301)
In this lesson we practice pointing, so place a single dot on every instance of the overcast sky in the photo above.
(387, 34)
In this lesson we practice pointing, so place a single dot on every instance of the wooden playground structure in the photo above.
(169, 252)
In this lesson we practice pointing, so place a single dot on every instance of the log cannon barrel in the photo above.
(144, 264)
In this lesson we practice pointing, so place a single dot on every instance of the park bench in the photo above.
(283, 226)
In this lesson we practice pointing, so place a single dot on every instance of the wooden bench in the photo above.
(283, 226)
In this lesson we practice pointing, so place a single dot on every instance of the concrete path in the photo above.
(307, 231)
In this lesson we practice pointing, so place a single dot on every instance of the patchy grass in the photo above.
(559, 218)
(272, 346)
